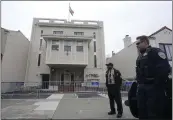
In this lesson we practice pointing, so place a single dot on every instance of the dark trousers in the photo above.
(151, 101)
(115, 96)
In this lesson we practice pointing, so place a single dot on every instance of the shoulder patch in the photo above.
(145, 54)
(162, 55)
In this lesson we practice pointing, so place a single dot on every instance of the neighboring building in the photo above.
(14, 55)
(62, 52)
(125, 60)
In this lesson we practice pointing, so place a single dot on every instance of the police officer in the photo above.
(152, 69)
(113, 84)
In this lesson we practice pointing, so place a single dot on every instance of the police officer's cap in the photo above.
(109, 64)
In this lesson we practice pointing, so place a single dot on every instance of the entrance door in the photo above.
(67, 82)
(45, 81)
(67, 78)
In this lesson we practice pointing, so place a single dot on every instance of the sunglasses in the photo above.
(139, 42)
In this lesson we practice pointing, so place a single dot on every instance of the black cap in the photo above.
(109, 64)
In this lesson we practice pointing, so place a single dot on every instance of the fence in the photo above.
(41, 90)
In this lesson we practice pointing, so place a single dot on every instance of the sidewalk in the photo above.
(59, 106)
(86, 109)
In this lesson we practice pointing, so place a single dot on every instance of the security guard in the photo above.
(113, 84)
(152, 69)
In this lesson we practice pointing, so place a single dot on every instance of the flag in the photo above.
(71, 11)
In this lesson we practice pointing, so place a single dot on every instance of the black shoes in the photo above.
(111, 113)
(119, 115)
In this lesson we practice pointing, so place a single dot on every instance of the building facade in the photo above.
(125, 60)
(14, 55)
(63, 52)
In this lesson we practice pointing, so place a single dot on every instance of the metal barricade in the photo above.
(35, 90)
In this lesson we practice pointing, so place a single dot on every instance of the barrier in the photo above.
(30, 90)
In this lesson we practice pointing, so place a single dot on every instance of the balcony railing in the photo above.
(67, 37)
(65, 23)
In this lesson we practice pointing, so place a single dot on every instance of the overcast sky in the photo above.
(120, 18)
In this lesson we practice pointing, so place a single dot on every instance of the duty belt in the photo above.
(147, 81)
(149, 78)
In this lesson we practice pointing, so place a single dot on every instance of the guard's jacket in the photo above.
(152, 67)
(117, 78)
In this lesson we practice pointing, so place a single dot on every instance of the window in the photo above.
(169, 51)
(94, 46)
(41, 43)
(41, 31)
(39, 59)
(1, 56)
(67, 48)
(167, 48)
(95, 61)
(94, 35)
(58, 32)
(79, 47)
(55, 45)
(79, 33)
(67, 45)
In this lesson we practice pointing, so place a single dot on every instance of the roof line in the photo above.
(22, 34)
(160, 30)
(10, 30)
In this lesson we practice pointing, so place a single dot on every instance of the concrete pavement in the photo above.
(60, 106)
(94, 108)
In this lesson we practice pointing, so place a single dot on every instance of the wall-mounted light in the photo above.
(52, 69)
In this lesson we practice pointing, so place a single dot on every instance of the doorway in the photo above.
(67, 78)
(45, 81)
(67, 81)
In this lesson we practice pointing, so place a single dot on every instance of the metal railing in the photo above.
(30, 90)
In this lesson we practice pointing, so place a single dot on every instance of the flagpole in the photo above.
(69, 12)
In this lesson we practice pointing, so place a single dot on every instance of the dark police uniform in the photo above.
(114, 88)
(151, 72)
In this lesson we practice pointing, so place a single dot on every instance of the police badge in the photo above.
(162, 55)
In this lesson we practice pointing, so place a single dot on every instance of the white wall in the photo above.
(33, 70)
(125, 61)
(15, 59)
(164, 36)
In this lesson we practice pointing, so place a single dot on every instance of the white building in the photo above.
(62, 52)
(125, 60)
(14, 55)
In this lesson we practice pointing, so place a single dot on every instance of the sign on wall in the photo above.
(92, 77)
(95, 84)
